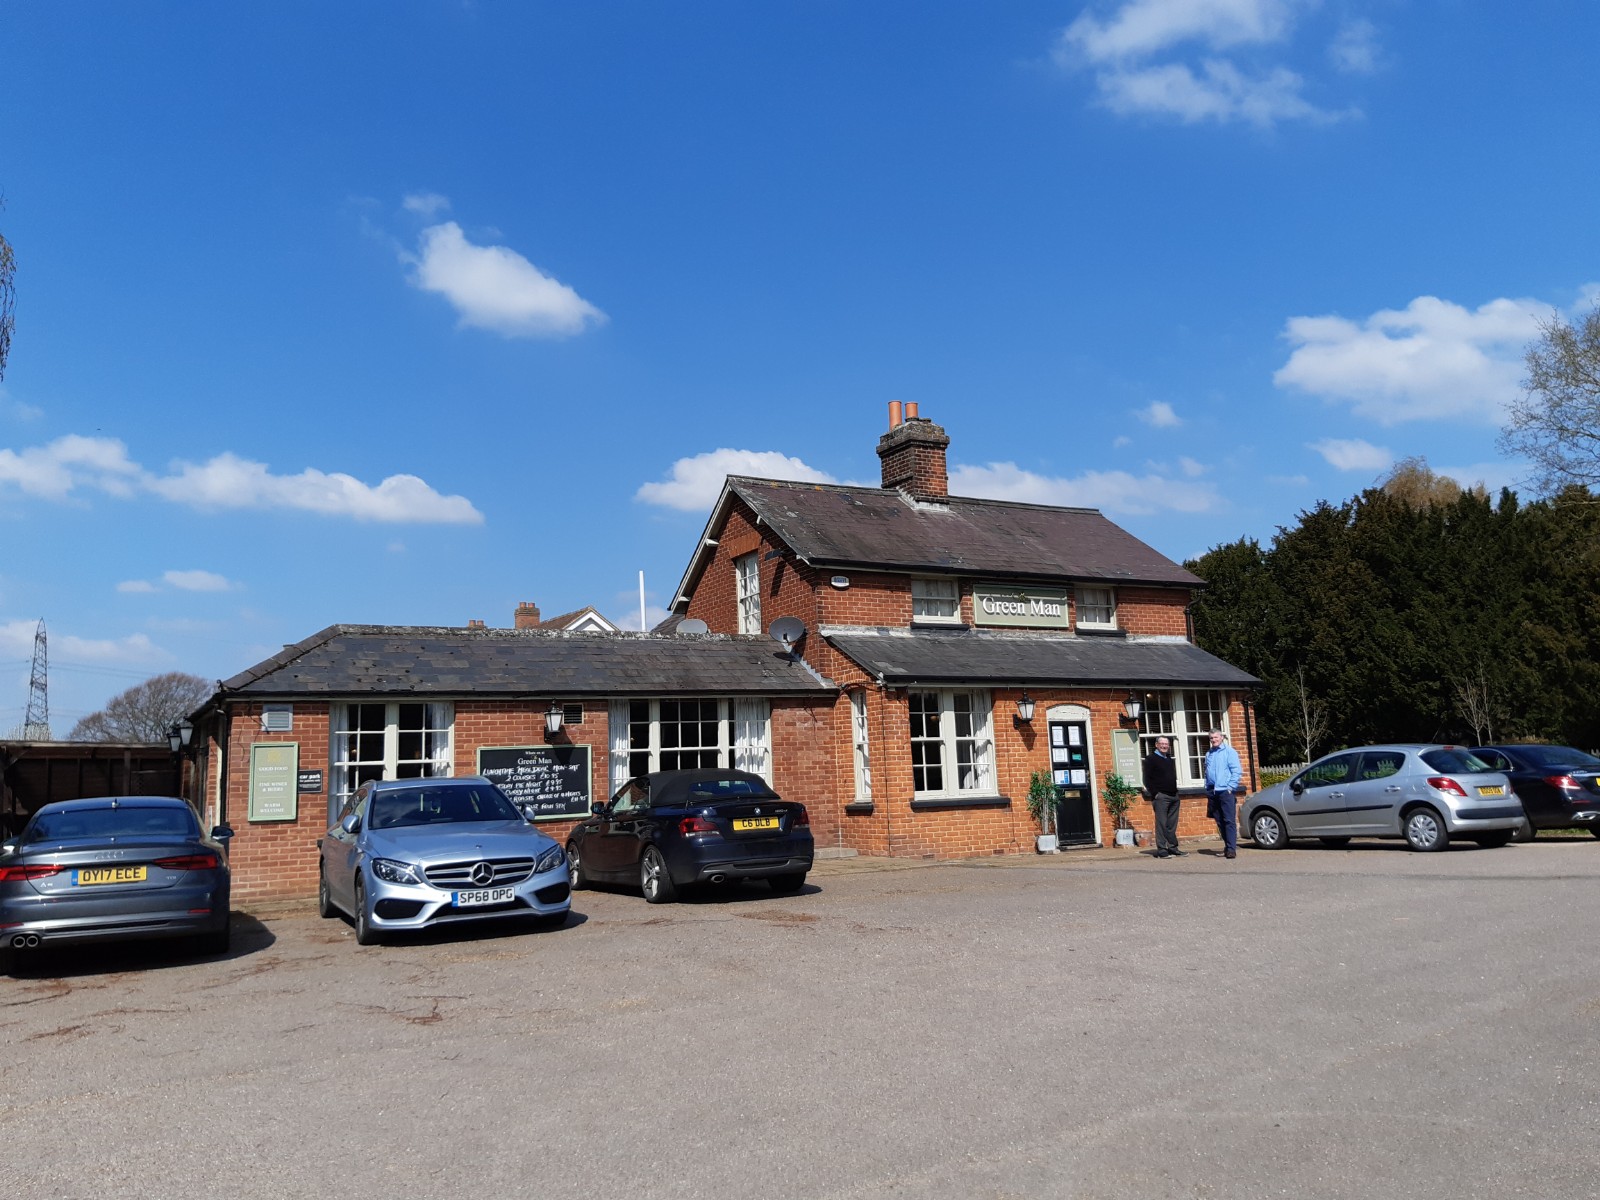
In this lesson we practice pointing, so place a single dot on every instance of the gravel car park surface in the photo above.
(1306, 1023)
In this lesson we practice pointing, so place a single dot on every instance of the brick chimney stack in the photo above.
(476, 625)
(913, 454)
(527, 615)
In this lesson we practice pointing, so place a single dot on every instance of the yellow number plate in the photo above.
(750, 824)
(1492, 791)
(93, 875)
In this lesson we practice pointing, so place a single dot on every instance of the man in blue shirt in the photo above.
(1223, 773)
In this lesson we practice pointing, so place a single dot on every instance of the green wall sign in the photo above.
(274, 774)
(1034, 608)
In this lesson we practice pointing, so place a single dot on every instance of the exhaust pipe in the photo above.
(719, 879)
(25, 941)
(33, 941)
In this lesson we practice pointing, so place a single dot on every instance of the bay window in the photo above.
(1187, 717)
(387, 740)
(952, 749)
(685, 734)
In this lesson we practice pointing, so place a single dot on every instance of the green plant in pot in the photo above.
(1119, 795)
(1042, 808)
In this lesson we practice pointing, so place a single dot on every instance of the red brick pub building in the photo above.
(940, 650)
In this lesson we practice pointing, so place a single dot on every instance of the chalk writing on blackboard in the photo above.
(551, 782)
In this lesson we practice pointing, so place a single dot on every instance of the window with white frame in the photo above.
(952, 749)
(1097, 607)
(936, 600)
(684, 734)
(863, 755)
(1187, 717)
(747, 578)
(388, 740)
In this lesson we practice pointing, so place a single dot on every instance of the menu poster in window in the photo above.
(274, 773)
(553, 782)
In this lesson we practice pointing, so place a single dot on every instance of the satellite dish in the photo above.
(787, 630)
(693, 625)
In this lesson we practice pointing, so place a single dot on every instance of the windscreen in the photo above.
(1452, 761)
(124, 821)
(440, 806)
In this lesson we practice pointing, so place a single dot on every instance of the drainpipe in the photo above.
(1250, 740)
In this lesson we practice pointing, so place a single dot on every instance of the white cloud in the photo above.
(1431, 360)
(1114, 491)
(1355, 48)
(73, 463)
(1142, 27)
(1353, 454)
(1192, 467)
(1160, 415)
(426, 204)
(1176, 58)
(16, 640)
(495, 288)
(1218, 91)
(53, 471)
(695, 482)
(16, 409)
(1121, 440)
(228, 481)
(136, 587)
(197, 581)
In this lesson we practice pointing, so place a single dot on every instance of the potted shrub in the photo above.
(1042, 808)
(1119, 796)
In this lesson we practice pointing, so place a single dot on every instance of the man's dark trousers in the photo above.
(1166, 822)
(1225, 810)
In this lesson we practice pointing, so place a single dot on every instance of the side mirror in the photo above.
(1297, 787)
(351, 824)
(599, 808)
(221, 833)
(528, 811)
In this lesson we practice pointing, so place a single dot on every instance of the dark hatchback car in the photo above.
(1559, 787)
(114, 869)
(673, 829)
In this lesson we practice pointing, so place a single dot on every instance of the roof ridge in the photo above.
(895, 493)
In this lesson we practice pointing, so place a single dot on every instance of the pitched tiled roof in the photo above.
(981, 656)
(355, 660)
(831, 525)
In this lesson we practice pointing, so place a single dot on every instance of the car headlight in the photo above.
(549, 860)
(390, 871)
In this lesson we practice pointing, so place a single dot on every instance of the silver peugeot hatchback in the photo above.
(1425, 794)
(410, 854)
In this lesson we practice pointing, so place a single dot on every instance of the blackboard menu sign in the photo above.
(553, 780)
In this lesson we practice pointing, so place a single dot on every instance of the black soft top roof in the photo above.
(688, 787)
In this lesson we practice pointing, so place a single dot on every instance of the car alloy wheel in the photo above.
(575, 873)
(654, 881)
(1267, 831)
(366, 935)
(1425, 830)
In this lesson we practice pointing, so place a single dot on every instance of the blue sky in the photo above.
(406, 312)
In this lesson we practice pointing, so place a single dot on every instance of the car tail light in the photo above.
(802, 817)
(696, 825)
(30, 871)
(1562, 781)
(188, 862)
(1443, 783)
